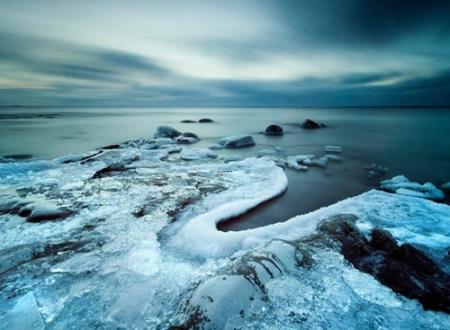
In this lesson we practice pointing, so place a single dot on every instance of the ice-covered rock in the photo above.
(237, 141)
(335, 149)
(47, 213)
(166, 132)
(197, 154)
(317, 162)
(145, 239)
(403, 186)
(294, 281)
(273, 130)
(301, 158)
(294, 164)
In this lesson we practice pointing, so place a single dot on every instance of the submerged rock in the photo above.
(237, 141)
(311, 124)
(446, 186)
(166, 132)
(273, 130)
(375, 170)
(188, 121)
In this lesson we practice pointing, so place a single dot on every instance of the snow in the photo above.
(146, 239)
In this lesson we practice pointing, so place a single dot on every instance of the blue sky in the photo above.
(225, 53)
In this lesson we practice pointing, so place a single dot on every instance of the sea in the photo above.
(414, 142)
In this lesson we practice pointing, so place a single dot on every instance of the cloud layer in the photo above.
(225, 53)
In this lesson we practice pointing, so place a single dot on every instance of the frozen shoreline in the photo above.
(142, 235)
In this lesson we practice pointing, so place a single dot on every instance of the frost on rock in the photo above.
(141, 239)
(403, 186)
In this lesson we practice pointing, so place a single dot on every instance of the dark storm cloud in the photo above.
(249, 52)
(362, 22)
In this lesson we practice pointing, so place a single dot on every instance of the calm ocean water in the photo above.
(414, 142)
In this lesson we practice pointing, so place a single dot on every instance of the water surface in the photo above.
(414, 142)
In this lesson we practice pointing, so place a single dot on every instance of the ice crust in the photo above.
(144, 238)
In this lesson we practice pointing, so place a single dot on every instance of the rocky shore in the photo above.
(126, 236)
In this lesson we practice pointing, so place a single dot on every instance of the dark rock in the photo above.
(111, 146)
(205, 120)
(311, 124)
(405, 269)
(19, 156)
(189, 134)
(108, 170)
(237, 141)
(166, 132)
(274, 130)
(39, 214)
(188, 121)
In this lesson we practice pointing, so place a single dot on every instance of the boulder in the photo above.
(44, 213)
(166, 132)
(311, 124)
(205, 120)
(237, 141)
(403, 268)
(273, 130)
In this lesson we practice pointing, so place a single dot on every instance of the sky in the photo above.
(225, 53)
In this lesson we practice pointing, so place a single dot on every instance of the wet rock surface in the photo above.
(166, 132)
(403, 268)
(311, 124)
(297, 279)
(237, 141)
(274, 130)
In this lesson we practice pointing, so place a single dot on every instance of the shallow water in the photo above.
(414, 142)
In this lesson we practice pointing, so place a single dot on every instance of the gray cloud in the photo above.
(267, 53)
